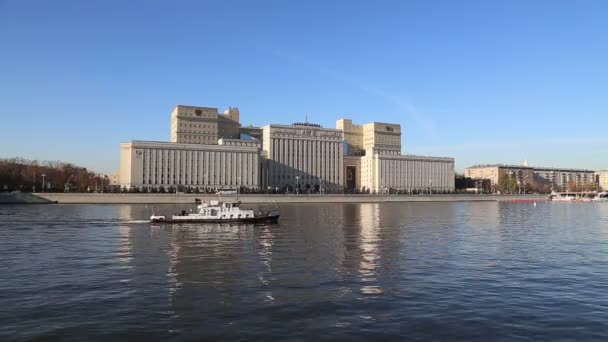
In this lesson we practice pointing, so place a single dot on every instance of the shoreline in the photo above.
(120, 198)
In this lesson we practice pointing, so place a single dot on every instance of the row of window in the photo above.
(397, 173)
(181, 167)
(313, 157)
(183, 125)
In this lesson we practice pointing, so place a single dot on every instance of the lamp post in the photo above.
(297, 184)
(238, 186)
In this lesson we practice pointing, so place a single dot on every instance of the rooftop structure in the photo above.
(203, 125)
(385, 138)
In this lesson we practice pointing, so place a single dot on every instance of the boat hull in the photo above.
(256, 219)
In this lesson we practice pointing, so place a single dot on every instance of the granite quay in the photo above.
(109, 198)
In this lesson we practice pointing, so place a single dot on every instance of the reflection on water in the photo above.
(361, 271)
(370, 225)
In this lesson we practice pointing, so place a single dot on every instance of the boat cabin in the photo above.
(224, 210)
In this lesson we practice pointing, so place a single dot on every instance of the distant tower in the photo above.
(233, 113)
(525, 163)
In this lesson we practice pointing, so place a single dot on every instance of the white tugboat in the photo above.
(219, 212)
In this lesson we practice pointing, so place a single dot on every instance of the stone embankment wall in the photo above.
(21, 198)
(110, 198)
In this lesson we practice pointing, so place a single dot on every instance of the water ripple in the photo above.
(417, 271)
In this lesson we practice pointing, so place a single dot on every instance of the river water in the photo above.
(388, 271)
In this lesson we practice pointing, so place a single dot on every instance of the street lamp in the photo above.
(238, 185)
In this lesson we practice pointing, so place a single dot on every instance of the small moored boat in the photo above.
(571, 196)
(219, 212)
(601, 197)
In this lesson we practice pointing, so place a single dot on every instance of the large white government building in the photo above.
(209, 150)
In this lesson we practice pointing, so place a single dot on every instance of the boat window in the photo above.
(239, 216)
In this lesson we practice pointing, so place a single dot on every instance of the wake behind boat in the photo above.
(219, 212)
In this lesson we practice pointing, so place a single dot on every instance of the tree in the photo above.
(23, 174)
(461, 182)
(503, 182)
(513, 184)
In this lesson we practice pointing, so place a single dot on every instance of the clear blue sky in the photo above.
(481, 81)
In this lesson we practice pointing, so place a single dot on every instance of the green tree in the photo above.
(503, 182)
(513, 185)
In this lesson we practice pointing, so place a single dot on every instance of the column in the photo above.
(342, 181)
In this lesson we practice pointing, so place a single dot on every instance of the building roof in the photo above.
(198, 107)
(539, 168)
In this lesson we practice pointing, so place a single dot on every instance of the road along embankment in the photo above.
(111, 198)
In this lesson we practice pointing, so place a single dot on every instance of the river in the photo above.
(393, 271)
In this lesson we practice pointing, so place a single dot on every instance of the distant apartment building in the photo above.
(523, 174)
(561, 178)
(203, 125)
(557, 178)
(602, 179)
(115, 178)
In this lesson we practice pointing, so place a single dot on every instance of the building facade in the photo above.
(302, 155)
(203, 125)
(551, 178)
(388, 173)
(374, 162)
(209, 150)
(230, 164)
(601, 178)
(523, 174)
(384, 137)
(562, 178)
(115, 178)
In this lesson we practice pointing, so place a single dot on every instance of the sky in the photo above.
(479, 81)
